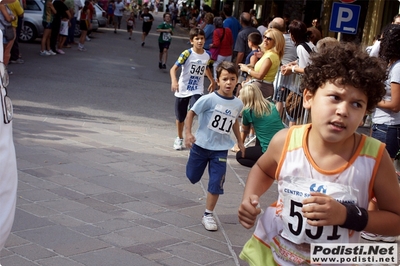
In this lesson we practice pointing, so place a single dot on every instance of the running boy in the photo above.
(130, 24)
(147, 19)
(326, 172)
(165, 30)
(195, 64)
(218, 113)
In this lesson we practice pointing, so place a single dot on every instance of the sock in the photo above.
(207, 212)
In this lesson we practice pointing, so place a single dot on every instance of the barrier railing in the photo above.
(287, 91)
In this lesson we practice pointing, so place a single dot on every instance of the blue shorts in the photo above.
(390, 135)
(182, 105)
(197, 163)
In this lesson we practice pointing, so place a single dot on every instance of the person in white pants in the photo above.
(8, 173)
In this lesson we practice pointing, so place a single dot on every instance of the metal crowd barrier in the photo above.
(292, 84)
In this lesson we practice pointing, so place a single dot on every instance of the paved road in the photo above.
(99, 183)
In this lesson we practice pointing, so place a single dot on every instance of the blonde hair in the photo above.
(279, 41)
(253, 99)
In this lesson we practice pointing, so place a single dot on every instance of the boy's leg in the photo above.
(181, 107)
(217, 171)
(211, 201)
(197, 162)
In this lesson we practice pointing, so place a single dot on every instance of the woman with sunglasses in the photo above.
(265, 69)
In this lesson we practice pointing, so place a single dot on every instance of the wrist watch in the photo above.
(248, 72)
(293, 69)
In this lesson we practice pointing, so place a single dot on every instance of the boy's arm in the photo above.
(174, 81)
(260, 179)
(209, 75)
(189, 138)
(236, 131)
(385, 221)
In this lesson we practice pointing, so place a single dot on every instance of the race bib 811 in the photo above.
(222, 119)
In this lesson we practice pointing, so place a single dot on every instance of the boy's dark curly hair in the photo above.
(347, 64)
(390, 43)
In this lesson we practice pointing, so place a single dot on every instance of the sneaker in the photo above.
(59, 51)
(164, 66)
(376, 237)
(142, 44)
(10, 72)
(209, 222)
(81, 48)
(18, 61)
(178, 144)
(51, 52)
(115, 31)
(44, 53)
(88, 39)
(160, 65)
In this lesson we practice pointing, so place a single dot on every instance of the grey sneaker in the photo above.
(209, 222)
(18, 61)
(178, 144)
(44, 53)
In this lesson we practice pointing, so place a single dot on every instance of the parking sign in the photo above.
(344, 18)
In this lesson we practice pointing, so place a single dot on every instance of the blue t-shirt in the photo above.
(217, 114)
(249, 56)
(208, 32)
(234, 25)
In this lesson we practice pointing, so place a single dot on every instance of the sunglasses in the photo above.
(268, 38)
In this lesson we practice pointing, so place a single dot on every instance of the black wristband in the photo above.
(356, 218)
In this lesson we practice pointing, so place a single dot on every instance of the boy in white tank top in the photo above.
(326, 171)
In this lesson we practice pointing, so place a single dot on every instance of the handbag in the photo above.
(294, 104)
(215, 50)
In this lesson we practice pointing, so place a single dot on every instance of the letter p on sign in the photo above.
(344, 15)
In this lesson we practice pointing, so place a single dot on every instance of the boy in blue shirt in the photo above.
(218, 115)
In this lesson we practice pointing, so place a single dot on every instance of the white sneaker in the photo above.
(88, 39)
(209, 222)
(178, 144)
(44, 53)
(376, 237)
(51, 52)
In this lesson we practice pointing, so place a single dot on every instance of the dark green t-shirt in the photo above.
(265, 126)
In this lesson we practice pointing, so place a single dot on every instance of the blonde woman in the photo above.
(263, 116)
(265, 69)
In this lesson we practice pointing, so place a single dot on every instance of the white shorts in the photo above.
(64, 28)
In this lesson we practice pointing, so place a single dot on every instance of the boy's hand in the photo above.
(320, 210)
(248, 211)
(174, 86)
(189, 140)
